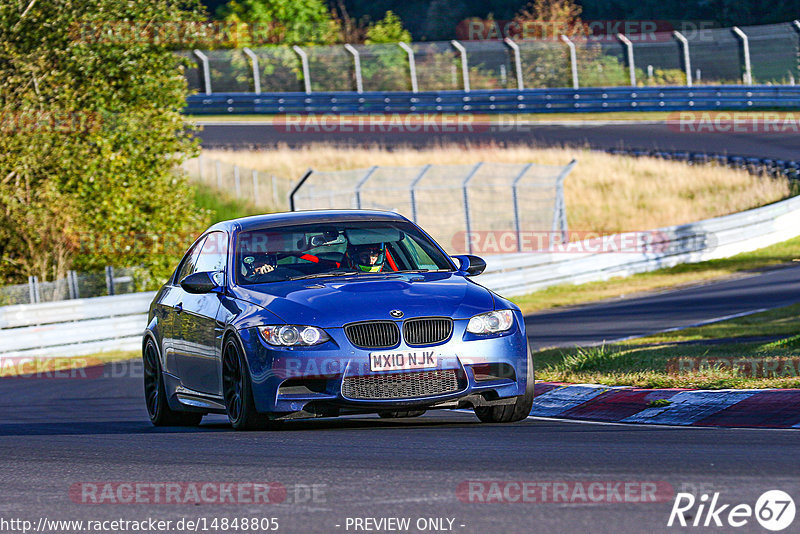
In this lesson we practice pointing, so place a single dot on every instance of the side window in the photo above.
(214, 253)
(187, 265)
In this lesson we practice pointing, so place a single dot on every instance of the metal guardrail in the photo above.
(560, 100)
(720, 237)
(74, 327)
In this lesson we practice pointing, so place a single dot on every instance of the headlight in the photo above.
(293, 335)
(491, 322)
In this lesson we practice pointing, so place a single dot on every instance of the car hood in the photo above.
(333, 302)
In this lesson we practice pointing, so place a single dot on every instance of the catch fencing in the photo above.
(449, 201)
(261, 189)
(76, 285)
(750, 55)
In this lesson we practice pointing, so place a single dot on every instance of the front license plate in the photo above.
(395, 361)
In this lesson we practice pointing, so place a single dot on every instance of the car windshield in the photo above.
(351, 248)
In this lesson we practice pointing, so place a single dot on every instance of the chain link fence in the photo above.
(259, 188)
(76, 285)
(765, 54)
(453, 203)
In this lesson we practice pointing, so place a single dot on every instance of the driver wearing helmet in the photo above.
(368, 258)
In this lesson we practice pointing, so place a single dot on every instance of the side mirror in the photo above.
(199, 283)
(471, 265)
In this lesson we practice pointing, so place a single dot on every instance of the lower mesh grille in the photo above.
(401, 386)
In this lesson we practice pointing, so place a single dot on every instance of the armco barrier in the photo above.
(85, 326)
(720, 237)
(736, 97)
(74, 327)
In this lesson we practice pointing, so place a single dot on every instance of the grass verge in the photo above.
(220, 206)
(685, 359)
(688, 273)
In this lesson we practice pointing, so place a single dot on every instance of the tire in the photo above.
(238, 391)
(404, 413)
(155, 395)
(510, 413)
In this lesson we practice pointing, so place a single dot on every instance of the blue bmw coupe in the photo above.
(327, 313)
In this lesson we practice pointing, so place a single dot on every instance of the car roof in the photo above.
(305, 217)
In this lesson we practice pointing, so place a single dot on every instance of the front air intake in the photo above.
(373, 334)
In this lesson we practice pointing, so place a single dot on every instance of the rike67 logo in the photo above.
(774, 510)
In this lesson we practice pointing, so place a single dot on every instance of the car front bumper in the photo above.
(310, 379)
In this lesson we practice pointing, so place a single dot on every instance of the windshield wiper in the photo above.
(423, 271)
(322, 275)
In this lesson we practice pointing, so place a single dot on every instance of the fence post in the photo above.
(206, 71)
(517, 62)
(464, 63)
(412, 66)
(110, 279)
(72, 286)
(514, 197)
(304, 63)
(297, 187)
(560, 208)
(33, 289)
(573, 60)
(412, 190)
(464, 186)
(219, 174)
(200, 167)
(361, 183)
(237, 181)
(687, 60)
(255, 186)
(631, 66)
(254, 62)
(747, 77)
(357, 66)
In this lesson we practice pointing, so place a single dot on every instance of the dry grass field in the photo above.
(604, 193)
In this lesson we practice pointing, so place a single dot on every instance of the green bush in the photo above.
(91, 134)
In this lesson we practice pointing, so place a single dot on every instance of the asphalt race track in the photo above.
(655, 312)
(644, 135)
(59, 432)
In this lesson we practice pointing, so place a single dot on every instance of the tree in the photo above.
(388, 30)
(287, 22)
(92, 134)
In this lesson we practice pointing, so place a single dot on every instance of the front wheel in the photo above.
(510, 413)
(155, 393)
(238, 391)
